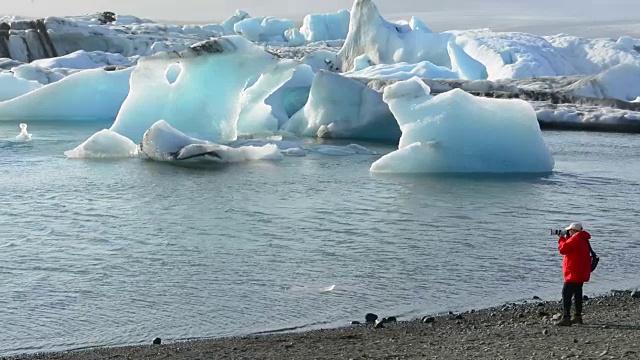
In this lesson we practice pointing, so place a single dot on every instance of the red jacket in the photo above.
(576, 265)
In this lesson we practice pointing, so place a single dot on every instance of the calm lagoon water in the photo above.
(118, 252)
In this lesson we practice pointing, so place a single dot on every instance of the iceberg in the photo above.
(104, 144)
(388, 43)
(161, 142)
(261, 111)
(619, 82)
(90, 95)
(456, 132)
(340, 107)
(326, 27)
(263, 29)
(196, 91)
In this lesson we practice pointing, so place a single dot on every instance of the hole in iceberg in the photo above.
(172, 73)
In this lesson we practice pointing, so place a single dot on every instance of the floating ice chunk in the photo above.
(349, 150)
(324, 27)
(203, 99)
(298, 152)
(164, 143)
(456, 132)
(261, 29)
(104, 144)
(24, 135)
(340, 107)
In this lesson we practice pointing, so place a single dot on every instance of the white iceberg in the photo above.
(263, 29)
(104, 144)
(387, 43)
(456, 132)
(326, 27)
(24, 134)
(340, 107)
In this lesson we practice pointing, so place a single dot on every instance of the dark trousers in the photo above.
(570, 290)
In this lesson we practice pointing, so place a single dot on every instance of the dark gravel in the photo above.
(512, 331)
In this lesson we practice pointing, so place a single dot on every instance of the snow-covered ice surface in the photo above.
(161, 142)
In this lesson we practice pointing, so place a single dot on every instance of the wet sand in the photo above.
(512, 331)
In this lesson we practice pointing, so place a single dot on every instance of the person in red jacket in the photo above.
(576, 268)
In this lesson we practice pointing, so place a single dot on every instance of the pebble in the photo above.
(370, 318)
(536, 298)
(428, 320)
(545, 332)
(157, 341)
(635, 294)
(355, 323)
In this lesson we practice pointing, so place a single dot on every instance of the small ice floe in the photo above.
(24, 135)
(319, 289)
(351, 149)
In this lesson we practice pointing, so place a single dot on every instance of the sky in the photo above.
(576, 17)
(215, 10)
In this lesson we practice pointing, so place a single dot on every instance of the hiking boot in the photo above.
(577, 320)
(564, 322)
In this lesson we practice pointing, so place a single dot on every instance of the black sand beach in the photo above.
(512, 331)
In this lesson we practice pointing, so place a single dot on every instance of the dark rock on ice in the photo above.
(157, 341)
(635, 294)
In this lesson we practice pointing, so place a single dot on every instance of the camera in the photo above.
(561, 232)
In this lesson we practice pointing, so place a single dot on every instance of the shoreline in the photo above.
(509, 331)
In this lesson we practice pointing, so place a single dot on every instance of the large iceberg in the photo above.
(196, 91)
(456, 132)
